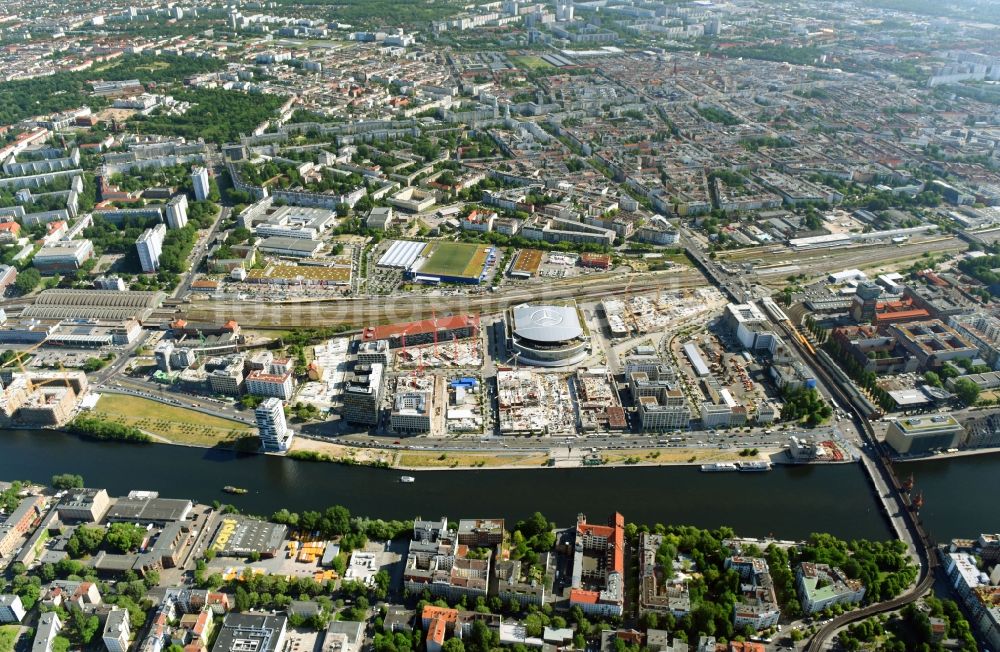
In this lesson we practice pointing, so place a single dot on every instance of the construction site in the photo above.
(640, 314)
(531, 403)
(465, 405)
(597, 403)
(454, 354)
(326, 374)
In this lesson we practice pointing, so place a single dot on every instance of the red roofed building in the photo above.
(9, 231)
(437, 622)
(599, 261)
(422, 332)
(599, 567)
(743, 646)
(898, 312)
(184, 328)
(204, 285)
(199, 624)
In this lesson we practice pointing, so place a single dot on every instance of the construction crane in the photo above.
(19, 359)
(419, 370)
(628, 304)
(434, 317)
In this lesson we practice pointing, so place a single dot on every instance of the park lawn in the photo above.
(531, 62)
(679, 259)
(675, 455)
(431, 459)
(154, 65)
(8, 636)
(178, 425)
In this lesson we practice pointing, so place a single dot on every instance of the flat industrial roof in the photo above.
(240, 535)
(916, 424)
(401, 253)
(291, 244)
(300, 272)
(149, 509)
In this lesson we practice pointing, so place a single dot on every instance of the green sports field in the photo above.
(531, 62)
(456, 259)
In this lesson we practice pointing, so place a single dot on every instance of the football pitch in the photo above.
(454, 259)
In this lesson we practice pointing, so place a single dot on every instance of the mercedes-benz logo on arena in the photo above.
(546, 317)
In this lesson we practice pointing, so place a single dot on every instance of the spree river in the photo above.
(788, 502)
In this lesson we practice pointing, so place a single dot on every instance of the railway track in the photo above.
(374, 310)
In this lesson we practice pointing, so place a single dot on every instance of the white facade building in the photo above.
(177, 214)
(274, 432)
(117, 630)
(199, 177)
(150, 246)
(11, 609)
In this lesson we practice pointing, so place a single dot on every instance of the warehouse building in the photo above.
(148, 507)
(293, 247)
(94, 304)
(239, 536)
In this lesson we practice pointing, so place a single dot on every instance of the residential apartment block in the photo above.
(598, 581)
(436, 562)
(150, 246)
(658, 592)
(821, 586)
(758, 605)
(363, 391)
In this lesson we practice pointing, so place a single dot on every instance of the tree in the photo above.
(85, 626)
(66, 567)
(27, 280)
(125, 537)
(534, 624)
(242, 599)
(381, 584)
(85, 541)
(482, 638)
(453, 645)
(534, 525)
(967, 391)
(337, 520)
(67, 481)
(151, 579)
